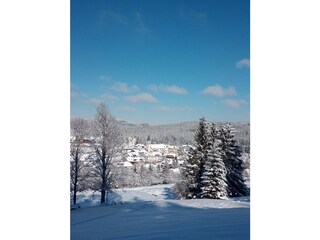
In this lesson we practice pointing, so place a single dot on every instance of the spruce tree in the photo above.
(196, 160)
(231, 154)
(213, 179)
(191, 170)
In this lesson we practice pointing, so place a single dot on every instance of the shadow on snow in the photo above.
(164, 219)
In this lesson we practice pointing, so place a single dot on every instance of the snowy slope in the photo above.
(152, 213)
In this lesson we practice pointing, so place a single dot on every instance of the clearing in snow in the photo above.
(154, 213)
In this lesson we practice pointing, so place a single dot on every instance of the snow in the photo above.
(158, 146)
(127, 164)
(175, 170)
(154, 213)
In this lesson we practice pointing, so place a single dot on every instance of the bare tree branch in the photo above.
(107, 144)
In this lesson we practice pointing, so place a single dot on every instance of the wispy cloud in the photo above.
(172, 109)
(154, 88)
(175, 90)
(74, 94)
(169, 89)
(124, 87)
(218, 91)
(105, 78)
(77, 95)
(188, 13)
(108, 96)
(94, 101)
(103, 98)
(106, 16)
(133, 21)
(126, 108)
(74, 91)
(117, 85)
(140, 25)
(243, 63)
(142, 98)
(233, 103)
(74, 86)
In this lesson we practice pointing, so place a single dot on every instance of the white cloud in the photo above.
(214, 90)
(218, 91)
(175, 90)
(231, 91)
(233, 103)
(124, 87)
(117, 85)
(243, 63)
(142, 98)
(169, 89)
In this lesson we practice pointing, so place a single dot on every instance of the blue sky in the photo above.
(161, 61)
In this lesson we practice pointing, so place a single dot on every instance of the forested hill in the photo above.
(178, 133)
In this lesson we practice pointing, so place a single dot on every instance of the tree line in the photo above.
(179, 133)
(214, 168)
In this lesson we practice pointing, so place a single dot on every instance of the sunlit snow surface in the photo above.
(153, 213)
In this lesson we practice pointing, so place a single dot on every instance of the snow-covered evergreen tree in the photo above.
(190, 171)
(196, 160)
(213, 179)
(231, 153)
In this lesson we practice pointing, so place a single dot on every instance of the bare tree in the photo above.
(107, 144)
(79, 132)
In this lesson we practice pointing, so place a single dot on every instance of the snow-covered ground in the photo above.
(153, 213)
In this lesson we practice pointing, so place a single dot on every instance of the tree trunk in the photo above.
(75, 181)
(103, 187)
(75, 194)
(103, 196)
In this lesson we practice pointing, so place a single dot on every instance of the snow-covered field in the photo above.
(153, 213)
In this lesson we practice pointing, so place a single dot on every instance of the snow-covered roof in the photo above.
(127, 164)
(140, 145)
(158, 146)
(155, 154)
(132, 154)
(175, 170)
